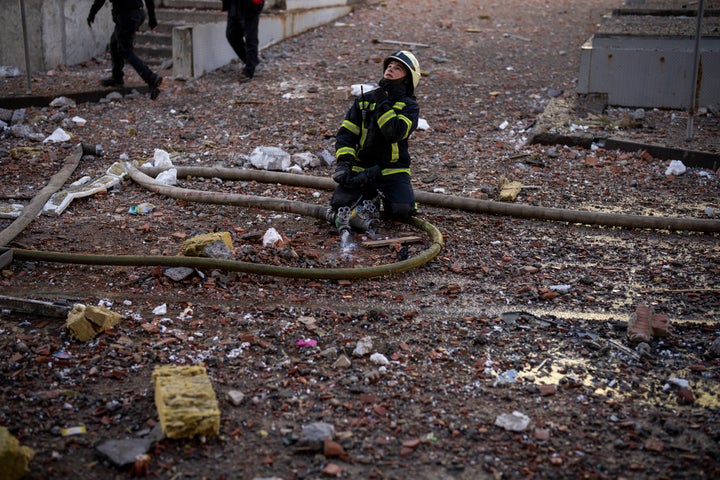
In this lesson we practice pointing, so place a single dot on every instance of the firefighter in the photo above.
(373, 161)
(128, 16)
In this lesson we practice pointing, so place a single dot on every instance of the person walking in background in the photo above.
(243, 20)
(371, 147)
(128, 16)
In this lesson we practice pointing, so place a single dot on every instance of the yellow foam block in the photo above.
(102, 317)
(509, 190)
(194, 246)
(185, 401)
(79, 326)
(14, 459)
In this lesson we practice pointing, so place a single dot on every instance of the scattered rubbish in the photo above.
(508, 376)
(676, 167)
(11, 210)
(513, 422)
(178, 274)
(270, 158)
(561, 288)
(363, 347)
(272, 238)
(423, 124)
(59, 201)
(124, 452)
(645, 323)
(313, 436)
(9, 71)
(63, 355)
(60, 102)
(58, 136)
(305, 342)
(78, 430)
(186, 402)
(342, 362)
(15, 458)
(168, 177)
(161, 159)
(95, 150)
(160, 309)
(503, 125)
(236, 397)
(141, 209)
(509, 190)
(379, 359)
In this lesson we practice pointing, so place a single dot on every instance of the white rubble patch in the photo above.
(11, 210)
(306, 160)
(161, 159)
(168, 177)
(82, 188)
(676, 167)
(58, 136)
(270, 158)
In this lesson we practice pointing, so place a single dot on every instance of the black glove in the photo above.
(360, 179)
(90, 19)
(343, 172)
(376, 96)
(393, 88)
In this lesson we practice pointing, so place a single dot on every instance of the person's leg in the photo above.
(398, 196)
(128, 23)
(252, 22)
(234, 32)
(118, 63)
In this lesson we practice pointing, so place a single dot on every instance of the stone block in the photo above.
(185, 400)
(14, 458)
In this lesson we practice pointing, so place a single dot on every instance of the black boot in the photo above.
(154, 87)
(112, 82)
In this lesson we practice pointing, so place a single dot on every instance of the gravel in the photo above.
(517, 319)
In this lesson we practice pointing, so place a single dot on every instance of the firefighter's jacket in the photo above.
(382, 138)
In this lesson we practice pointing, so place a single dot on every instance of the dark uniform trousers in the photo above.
(122, 45)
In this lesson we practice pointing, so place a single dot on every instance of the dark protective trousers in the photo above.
(398, 198)
(242, 35)
(122, 45)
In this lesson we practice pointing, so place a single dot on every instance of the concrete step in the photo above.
(155, 47)
(193, 4)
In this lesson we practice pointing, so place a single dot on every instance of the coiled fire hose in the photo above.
(230, 265)
(440, 200)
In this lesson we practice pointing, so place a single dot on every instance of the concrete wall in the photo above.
(650, 71)
(201, 48)
(56, 32)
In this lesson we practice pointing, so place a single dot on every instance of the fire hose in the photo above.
(475, 205)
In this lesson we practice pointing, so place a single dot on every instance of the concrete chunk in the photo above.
(14, 459)
(185, 401)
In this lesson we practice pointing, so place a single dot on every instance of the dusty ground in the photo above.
(460, 355)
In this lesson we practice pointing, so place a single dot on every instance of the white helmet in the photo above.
(411, 65)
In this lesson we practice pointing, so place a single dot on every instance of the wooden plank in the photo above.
(390, 241)
(38, 307)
